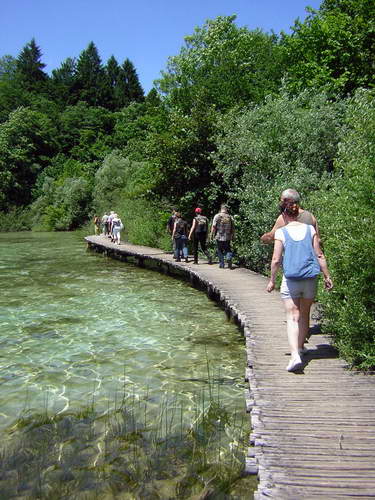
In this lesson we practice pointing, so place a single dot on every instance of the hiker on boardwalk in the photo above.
(109, 222)
(223, 231)
(179, 235)
(117, 227)
(97, 222)
(291, 195)
(170, 227)
(105, 224)
(199, 231)
(302, 262)
(303, 216)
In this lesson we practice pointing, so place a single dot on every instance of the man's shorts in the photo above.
(296, 289)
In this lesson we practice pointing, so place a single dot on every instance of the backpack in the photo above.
(180, 228)
(118, 224)
(201, 224)
(224, 224)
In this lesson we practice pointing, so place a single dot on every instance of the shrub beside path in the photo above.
(313, 433)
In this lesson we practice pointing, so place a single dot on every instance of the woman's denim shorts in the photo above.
(296, 289)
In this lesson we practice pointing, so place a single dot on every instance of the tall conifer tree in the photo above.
(129, 88)
(112, 74)
(90, 77)
(63, 80)
(65, 74)
(30, 68)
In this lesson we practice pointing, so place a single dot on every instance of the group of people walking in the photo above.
(297, 248)
(222, 230)
(109, 225)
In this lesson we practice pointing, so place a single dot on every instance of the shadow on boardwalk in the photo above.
(313, 435)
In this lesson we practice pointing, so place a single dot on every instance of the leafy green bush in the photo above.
(118, 177)
(346, 213)
(286, 142)
(27, 139)
(145, 223)
(124, 186)
(65, 204)
(17, 219)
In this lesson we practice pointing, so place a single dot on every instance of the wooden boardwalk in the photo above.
(313, 433)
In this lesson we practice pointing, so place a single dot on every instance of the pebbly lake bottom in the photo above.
(116, 382)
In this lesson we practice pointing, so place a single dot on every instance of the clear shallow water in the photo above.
(76, 327)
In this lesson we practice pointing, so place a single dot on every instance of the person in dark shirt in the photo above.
(179, 235)
(199, 231)
(170, 226)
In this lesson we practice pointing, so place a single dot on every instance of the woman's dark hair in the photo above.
(289, 207)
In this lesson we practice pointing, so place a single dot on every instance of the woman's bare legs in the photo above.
(304, 320)
(292, 309)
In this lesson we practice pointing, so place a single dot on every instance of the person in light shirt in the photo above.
(297, 245)
(117, 227)
(303, 216)
(223, 231)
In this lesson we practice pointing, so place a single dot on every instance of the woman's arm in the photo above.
(328, 284)
(270, 236)
(192, 228)
(317, 230)
(174, 229)
(275, 263)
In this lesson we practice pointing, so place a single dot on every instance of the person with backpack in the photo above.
(97, 223)
(179, 235)
(297, 246)
(105, 224)
(170, 226)
(109, 224)
(223, 231)
(117, 227)
(199, 230)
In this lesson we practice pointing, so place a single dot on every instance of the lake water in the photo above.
(79, 329)
(76, 326)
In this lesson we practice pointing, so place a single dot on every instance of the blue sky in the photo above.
(145, 31)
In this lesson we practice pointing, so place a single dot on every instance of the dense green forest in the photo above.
(237, 116)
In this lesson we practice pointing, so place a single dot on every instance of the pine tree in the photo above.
(65, 74)
(30, 68)
(152, 99)
(112, 73)
(129, 88)
(90, 77)
(63, 80)
(112, 70)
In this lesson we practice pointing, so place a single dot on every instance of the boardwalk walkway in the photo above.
(313, 432)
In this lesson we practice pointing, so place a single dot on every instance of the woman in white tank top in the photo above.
(298, 292)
